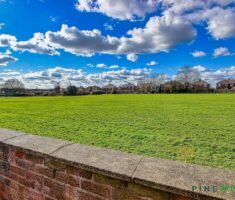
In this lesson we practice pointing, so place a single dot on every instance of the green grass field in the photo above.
(195, 128)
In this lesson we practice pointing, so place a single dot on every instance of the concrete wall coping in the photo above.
(170, 176)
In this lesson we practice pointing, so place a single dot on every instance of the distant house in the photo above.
(200, 86)
(173, 86)
(127, 88)
(93, 90)
(226, 84)
(12, 92)
(40, 92)
(109, 89)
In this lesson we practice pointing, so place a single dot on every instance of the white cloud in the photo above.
(218, 15)
(119, 9)
(81, 42)
(6, 58)
(90, 65)
(159, 35)
(221, 51)
(53, 19)
(221, 23)
(47, 78)
(213, 76)
(37, 44)
(114, 67)
(152, 63)
(197, 54)
(132, 57)
(173, 26)
(101, 65)
(108, 27)
(7, 40)
(200, 68)
(2, 25)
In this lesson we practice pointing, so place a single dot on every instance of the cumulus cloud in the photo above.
(219, 15)
(7, 40)
(200, 68)
(37, 44)
(221, 51)
(152, 63)
(221, 23)
(197, 54)
(213, 76)
(6, 58)
(81, 42)
(159, 35)
(174, 25)
(119, 9)
(47, 78)
(132, 57)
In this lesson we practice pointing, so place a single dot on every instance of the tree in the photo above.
(57, 88)
(13, 84)
(71, 90)
(153, 83)
(187, 75)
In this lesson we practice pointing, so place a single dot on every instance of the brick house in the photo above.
(200, 86)
(226, 84)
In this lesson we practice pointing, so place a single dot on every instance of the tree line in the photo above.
(187, 80)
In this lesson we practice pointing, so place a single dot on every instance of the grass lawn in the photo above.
(195, 128)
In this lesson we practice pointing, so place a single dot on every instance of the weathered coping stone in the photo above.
(38, 144)
(165, 175)
(7, 134)
(108, 162)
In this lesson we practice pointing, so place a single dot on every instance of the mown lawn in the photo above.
(195, 128)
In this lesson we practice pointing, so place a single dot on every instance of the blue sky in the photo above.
(87, 42)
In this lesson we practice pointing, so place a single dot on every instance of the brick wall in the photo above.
(40, 168)
(33, 176)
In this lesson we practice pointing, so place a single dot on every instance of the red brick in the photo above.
(55, 164)
(24, 164)
(71, 191)
(95, 188)
(18, 170)
(19, 154)
(61, 176)
(83, 195)
(78, 172)
(44, 171)
(73, 181)
(56, 189)
(34, 181)
(49, 198)
(33, 195)
(34, 158)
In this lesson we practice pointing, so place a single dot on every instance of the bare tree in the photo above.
(13, 84)
(187, 75)
(57, 88)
